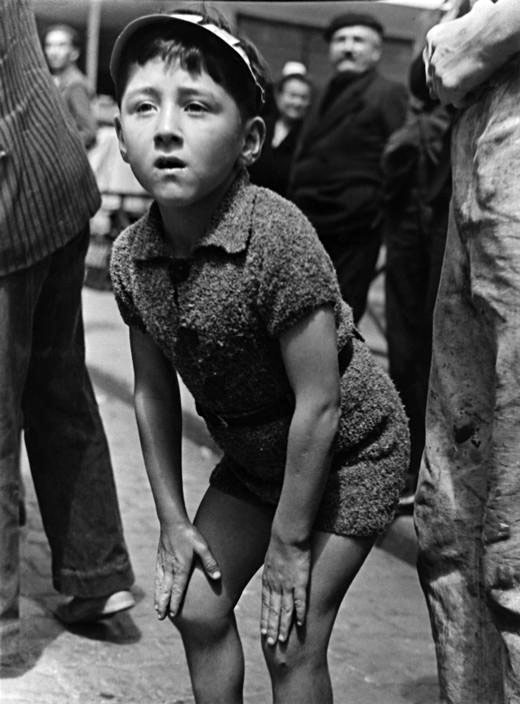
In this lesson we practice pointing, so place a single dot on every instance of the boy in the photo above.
(227, 284)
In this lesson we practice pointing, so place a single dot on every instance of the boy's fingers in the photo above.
(264, 615)
(209, 564)
(300, 605)
(286, 615)
(163, 585)
(178, 587)
(273, 621)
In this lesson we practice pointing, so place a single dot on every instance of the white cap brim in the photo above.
(182, 21)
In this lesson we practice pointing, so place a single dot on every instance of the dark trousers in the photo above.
(414, 250)
(355, 262)
(46, 391)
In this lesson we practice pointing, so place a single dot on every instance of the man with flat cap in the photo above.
(336, 176)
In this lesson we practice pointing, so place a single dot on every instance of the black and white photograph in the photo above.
(259, 352)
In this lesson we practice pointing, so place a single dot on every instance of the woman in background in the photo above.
(292, 98)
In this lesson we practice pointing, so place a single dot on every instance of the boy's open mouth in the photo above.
(169, 162)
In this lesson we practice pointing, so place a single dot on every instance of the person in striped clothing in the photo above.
(47, 195)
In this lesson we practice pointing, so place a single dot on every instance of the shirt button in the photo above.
(3, 153)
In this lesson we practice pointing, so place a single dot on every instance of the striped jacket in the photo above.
(47, 189)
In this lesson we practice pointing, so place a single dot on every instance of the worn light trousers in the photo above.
(467, 511)
(45, 389)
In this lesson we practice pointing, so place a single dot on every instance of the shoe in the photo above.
(12, 664)
(406, 503)
(92, 609)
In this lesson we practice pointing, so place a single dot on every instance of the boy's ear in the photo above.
(254, 136)
(74, 55)
(120, 137)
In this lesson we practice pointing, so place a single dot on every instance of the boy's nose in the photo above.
(166, 137)
(168, 131)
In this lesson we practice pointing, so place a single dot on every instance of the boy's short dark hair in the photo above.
(196, 53)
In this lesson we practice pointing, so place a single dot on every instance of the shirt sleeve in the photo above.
(297, 275)
(123, 296)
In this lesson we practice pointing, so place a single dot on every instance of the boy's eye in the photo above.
(144, 107)
(195, 107)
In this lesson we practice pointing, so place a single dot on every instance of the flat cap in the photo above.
(350, 19)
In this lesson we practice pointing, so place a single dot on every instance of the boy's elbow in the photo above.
(143, 399)
(139, 402)
(332, 413)
(322, 412)
(148, 397)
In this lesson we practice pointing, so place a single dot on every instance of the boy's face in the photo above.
(59, 50)
(181, 133)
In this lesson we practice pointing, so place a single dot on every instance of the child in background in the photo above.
(227, 284)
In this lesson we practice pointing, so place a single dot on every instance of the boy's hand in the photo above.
(284, 589)
(177, 550)
(463, 53)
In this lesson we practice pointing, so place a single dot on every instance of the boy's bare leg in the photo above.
(299, 670)
(238, 535)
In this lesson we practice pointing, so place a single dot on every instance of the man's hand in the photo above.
(284, 589)
(460, 55)
(177, 550)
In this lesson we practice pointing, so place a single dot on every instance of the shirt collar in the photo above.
(229, 227)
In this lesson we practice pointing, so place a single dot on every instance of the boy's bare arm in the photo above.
(310, 356)
(461, 54)
(159, 419)
(158, 413)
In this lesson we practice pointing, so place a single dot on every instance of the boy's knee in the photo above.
(195, 620)
(284, 658)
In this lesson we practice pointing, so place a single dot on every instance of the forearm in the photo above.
(464, 52)
(503, 37)
(159, 422)
(310, 441)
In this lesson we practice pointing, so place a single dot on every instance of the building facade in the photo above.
(282, 31)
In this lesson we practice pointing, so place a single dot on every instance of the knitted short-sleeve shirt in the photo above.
(218, 316)
(259, 269)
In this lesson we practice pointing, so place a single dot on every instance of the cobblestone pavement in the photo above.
(381, 650)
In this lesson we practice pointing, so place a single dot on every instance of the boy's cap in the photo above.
(351, 19)
(195, 22)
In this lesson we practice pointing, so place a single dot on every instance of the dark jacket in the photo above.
(416, 160)
(272, 169)
(336, 176)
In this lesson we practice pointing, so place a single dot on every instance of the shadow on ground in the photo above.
(421, 691)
